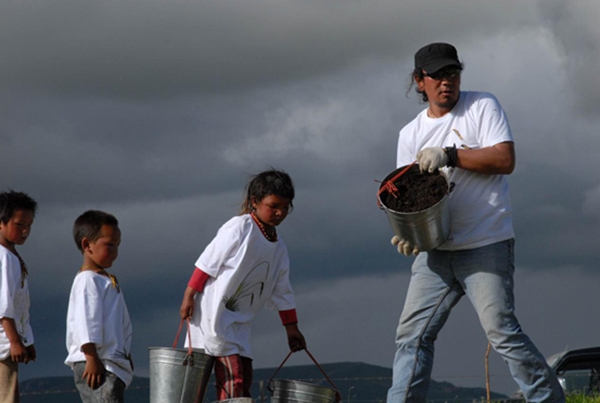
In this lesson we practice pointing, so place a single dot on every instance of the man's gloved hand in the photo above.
(432, 158)
(404, 247)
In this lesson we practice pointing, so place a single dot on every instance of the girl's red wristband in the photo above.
(198, 280)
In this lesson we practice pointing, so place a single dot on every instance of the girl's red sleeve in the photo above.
(198, 280)
(288, 317)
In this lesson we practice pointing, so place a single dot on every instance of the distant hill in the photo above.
(357, 382)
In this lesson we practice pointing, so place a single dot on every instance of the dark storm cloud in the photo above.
(163, 49)
(579, 47)
(152, 150)
(159, 111)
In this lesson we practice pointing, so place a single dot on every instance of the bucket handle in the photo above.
(389, 185)
(189, 358)
(338, 397)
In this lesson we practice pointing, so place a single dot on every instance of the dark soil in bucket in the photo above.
(416, 192)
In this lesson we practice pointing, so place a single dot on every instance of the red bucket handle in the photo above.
(190, 351)
(338, 397)
(389, 184)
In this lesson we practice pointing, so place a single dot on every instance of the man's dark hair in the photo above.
(89, 224)
(12, 201)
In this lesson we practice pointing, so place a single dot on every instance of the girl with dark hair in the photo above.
(245, 267)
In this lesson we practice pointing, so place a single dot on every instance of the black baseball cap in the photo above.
(436, 56)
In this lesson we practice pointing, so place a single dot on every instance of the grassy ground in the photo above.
(583, 399)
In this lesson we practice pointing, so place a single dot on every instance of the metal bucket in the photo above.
(236, 400)
(286, 391)
(428, 228)
(178, 377)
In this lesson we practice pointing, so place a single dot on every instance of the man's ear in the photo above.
(419, 83)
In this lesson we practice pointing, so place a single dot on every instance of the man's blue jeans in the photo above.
(439, 280)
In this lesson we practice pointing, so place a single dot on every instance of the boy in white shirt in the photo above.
(17, 211)
(98, 324)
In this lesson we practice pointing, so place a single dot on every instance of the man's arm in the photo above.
(498, 159)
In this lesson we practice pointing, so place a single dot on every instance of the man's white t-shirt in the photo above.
(246, 272)
(14, 300)
(98, 314)
(479, 206)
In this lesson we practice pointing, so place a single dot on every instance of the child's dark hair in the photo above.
(89, 224)
(268, 183)
(12, 201)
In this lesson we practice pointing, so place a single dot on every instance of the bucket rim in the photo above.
(177, 349)
(302, 383)
(408, 213)
(414, 167)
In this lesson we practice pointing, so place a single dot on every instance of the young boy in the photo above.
(98, 324)
(17, 211)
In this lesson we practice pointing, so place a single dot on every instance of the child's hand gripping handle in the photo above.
(189, 358)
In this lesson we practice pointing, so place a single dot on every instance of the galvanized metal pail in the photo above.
(176, 376)
(179, 375)
(286, 391)
(428, 228)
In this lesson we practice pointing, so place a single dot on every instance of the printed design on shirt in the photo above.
(250, 289)
(456, 134)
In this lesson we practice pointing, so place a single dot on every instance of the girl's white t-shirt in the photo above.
(98, 314)
(246, 272)
(14, 300)
(479, 206)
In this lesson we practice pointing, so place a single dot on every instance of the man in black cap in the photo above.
(465, 134)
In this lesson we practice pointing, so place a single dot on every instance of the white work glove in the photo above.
(432, 158)
(404, 247)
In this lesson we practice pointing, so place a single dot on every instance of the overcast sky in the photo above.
(158, 111)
